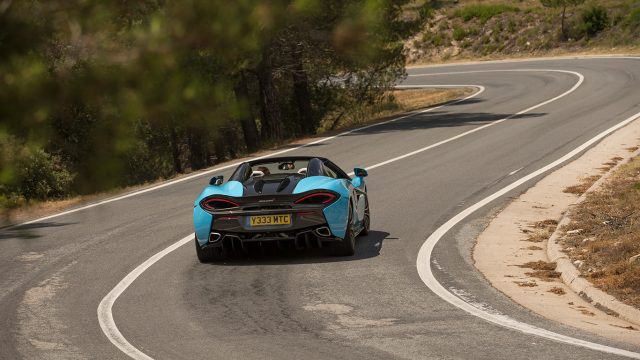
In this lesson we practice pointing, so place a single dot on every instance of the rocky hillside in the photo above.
(492, 28)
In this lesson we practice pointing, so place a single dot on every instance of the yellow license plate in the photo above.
(265, 220)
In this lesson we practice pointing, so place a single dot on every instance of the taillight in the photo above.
(317, 198)
(213, 204)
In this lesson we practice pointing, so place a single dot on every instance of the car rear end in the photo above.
(293, 221)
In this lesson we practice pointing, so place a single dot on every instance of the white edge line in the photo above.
(203, 173)
(105, 308)
(426, 250)
(105, 314)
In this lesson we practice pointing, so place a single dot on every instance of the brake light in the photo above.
(317, 198)
(213, 204)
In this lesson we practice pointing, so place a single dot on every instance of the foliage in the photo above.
(633, 19)
(127, 92)
(594, 19)
(483, 12)
(459, 33)
(562, 4)
(41, 176)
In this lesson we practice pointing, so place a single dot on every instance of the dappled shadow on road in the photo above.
(366, 247)
(29, 231)
(440, 119)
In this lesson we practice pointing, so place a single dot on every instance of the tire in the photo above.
(208, 254)
(347, 247)
(367, 218)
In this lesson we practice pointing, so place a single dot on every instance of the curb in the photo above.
(571, 276)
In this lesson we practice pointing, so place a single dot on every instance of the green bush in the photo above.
(633, 19)
(437, 40)
(594, 19)
(459, 33)
(483, 12)
(42, 176)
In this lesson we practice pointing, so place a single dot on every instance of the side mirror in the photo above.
(216, 180)
(359, 172)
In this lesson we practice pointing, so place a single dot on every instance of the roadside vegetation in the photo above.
(99, 95)
(603, 238)
(497, 28)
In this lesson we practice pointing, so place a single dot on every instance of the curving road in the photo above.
(375, 305)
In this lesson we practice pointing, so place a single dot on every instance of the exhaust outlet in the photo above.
(214, 237)
(323, 231)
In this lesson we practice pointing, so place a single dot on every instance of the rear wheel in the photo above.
(208, 254)
(366, 221)
(347, 247)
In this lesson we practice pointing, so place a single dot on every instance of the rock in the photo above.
(573, 232)
(589, 239)
(634, 259)
(578, 263)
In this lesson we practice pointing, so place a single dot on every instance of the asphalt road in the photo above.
(54, 273)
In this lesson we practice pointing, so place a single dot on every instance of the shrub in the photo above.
(633, 19)
(437, 40)
(483, 12)
(594, 19)
(459, 34)
(42, 176)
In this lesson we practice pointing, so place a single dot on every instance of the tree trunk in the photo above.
(302, 95)
(230, 141)
(562, 31)
(197, 154)
(247, 122)
(219, 149)
(175, 149)
(269, 107)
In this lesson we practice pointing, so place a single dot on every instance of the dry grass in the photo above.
(539, 265)
(544, 275)
(413, 99)
(557, 290)
(394, 103)
(540, 231)
(526, 283)
(37, 209)
(542, 270)
(587, 312)
(584, 185)
(609, 220)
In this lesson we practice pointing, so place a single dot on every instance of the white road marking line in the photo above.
(105, 308)
(515, 171)
(426, 250)
(203, 173)
(105, 314)
(576, 86)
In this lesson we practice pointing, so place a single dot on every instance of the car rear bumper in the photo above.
(232, 230)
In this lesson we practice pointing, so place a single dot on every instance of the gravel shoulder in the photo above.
(511, 251)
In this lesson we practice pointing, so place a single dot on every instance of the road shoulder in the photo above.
(515, 241)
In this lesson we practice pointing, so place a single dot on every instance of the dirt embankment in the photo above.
(603, 238)
(491, 29)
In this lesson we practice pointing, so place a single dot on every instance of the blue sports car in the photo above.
(286, 202)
